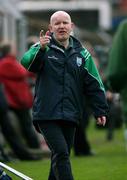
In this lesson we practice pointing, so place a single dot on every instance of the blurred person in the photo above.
(65, 72)
(8, 131)
(115, 113)
(117, 66)
(3, 110)
(19, 97)
(82, 145)
(113, 99)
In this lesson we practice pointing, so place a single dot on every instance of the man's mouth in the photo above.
(62, 32)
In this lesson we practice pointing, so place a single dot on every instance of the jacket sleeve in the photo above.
(93, 87)
(33, 58)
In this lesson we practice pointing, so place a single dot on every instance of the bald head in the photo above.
(61, 27)
(59, 14)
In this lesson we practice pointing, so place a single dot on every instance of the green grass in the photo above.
(109, 163)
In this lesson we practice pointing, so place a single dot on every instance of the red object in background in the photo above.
(14, 78)
(123, 4)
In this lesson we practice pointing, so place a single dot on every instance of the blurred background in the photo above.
(96, 22)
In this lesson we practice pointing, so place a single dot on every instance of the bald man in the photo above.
(65, 73)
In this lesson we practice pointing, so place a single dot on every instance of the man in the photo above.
(117, 66)
(65, 72)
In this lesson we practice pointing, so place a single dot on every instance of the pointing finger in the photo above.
(41, 33)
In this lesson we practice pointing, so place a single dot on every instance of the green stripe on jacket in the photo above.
(91, 68)
(29, 56)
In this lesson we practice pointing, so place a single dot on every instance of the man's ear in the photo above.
(72, 28)
(72, 25)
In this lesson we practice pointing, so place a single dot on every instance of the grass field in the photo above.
(109, 163)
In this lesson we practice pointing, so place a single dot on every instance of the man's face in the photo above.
(61, 26)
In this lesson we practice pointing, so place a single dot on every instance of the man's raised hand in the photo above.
(44, 39)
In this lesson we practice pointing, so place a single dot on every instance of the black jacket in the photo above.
(63, 78)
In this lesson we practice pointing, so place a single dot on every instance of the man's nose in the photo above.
(61, 25)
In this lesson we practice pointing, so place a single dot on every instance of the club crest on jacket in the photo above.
(79, 61)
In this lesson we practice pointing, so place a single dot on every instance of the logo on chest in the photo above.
(52, 57)
(79, 61)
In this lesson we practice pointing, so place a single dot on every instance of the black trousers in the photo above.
(59, 136)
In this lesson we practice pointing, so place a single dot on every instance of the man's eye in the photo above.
(65, 22)
(57, 24)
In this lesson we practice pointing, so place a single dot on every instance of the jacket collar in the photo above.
(73, 43)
